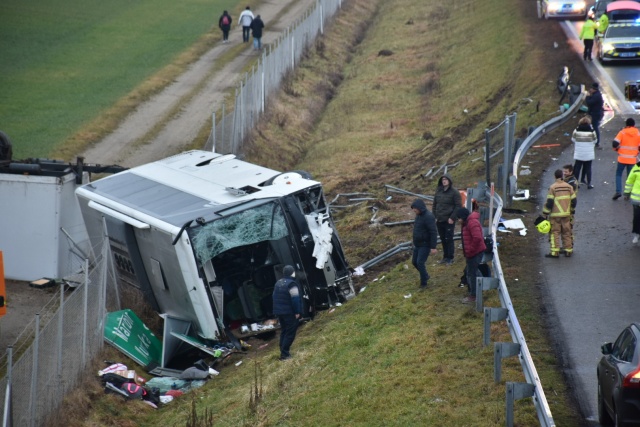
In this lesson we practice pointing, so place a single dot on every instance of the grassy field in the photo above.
(358, 119)
(66, 62)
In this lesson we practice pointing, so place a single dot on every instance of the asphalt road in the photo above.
(593, 295)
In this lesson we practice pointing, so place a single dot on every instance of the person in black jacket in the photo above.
(225, 25)
(595, 106)
(446, 203)
(256, 31)
(424, 239)
(287, 306)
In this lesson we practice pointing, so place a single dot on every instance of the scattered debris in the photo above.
(407, 296)
(385, 52)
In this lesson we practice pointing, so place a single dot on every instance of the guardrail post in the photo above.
(500, 351)
(492, 315)
(517, 391)
(484, 284)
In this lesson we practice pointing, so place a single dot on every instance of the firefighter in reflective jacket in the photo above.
(560, 205)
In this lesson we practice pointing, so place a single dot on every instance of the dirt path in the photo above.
(195, 95)
(170, 121)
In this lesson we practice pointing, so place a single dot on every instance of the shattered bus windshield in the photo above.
(259, 224)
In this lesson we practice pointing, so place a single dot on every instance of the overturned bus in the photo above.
(205, 237)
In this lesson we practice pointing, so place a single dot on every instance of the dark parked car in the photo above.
(619, 380)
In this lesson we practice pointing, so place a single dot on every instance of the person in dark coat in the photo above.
(446, 203)
(595, 107)
(473, 247)
(225, 25)
(287, 306)
(256, 31)
(424, 239)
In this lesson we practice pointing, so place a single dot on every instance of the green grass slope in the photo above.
(64, 62)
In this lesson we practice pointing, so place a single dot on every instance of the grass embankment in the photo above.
(357, 120)
(66, 62)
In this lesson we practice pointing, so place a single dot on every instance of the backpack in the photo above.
(225, 20)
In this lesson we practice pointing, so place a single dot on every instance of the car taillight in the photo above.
(632, 379)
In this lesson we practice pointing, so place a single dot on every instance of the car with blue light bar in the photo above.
(619, 380)
(562, 9)
(621, 42)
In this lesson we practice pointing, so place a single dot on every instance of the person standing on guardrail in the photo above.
(587, 35)
(595, 107)
(245, 19)
(446, 203)
(632, 192)
(473, 248)
(425, 239)
(560, 205)
(256, 31)
(225, 25)
(626, 144)
(584, 140)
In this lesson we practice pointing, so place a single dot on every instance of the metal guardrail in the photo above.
(533, 386)
(537, 134)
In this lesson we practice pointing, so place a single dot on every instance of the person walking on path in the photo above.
(584, 139)
(256, 31)
(595, 107)
(473, 248)
(424, 239)
(632, 192)
(287, 305)
(446, 203)
(225, 25)
(560, 205)
(587, 35)
(245, 19)
(626, 144)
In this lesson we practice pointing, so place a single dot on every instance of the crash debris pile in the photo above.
(118, 379)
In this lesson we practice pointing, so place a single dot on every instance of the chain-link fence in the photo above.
(48, 358)
(231, 128)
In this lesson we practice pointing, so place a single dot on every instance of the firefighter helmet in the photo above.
(543, 225)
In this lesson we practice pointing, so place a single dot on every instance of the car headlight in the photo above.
(607, 47)
(553, 6)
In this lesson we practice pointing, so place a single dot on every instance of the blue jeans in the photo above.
(420, 255)
(473, 272)
(257, 43)
(288, 328)
(619, 169)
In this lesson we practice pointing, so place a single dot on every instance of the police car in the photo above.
(621, 42)
(562, 9)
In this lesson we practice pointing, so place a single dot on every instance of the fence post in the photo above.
(60, 333)
(33, 399)
(7, 419)
(484, 284)
(492, 315)
(213, 132)
(85, 302)
(517, 391)
(500, 351)
(507, 155)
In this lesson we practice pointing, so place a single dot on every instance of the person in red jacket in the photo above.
(472, 247)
